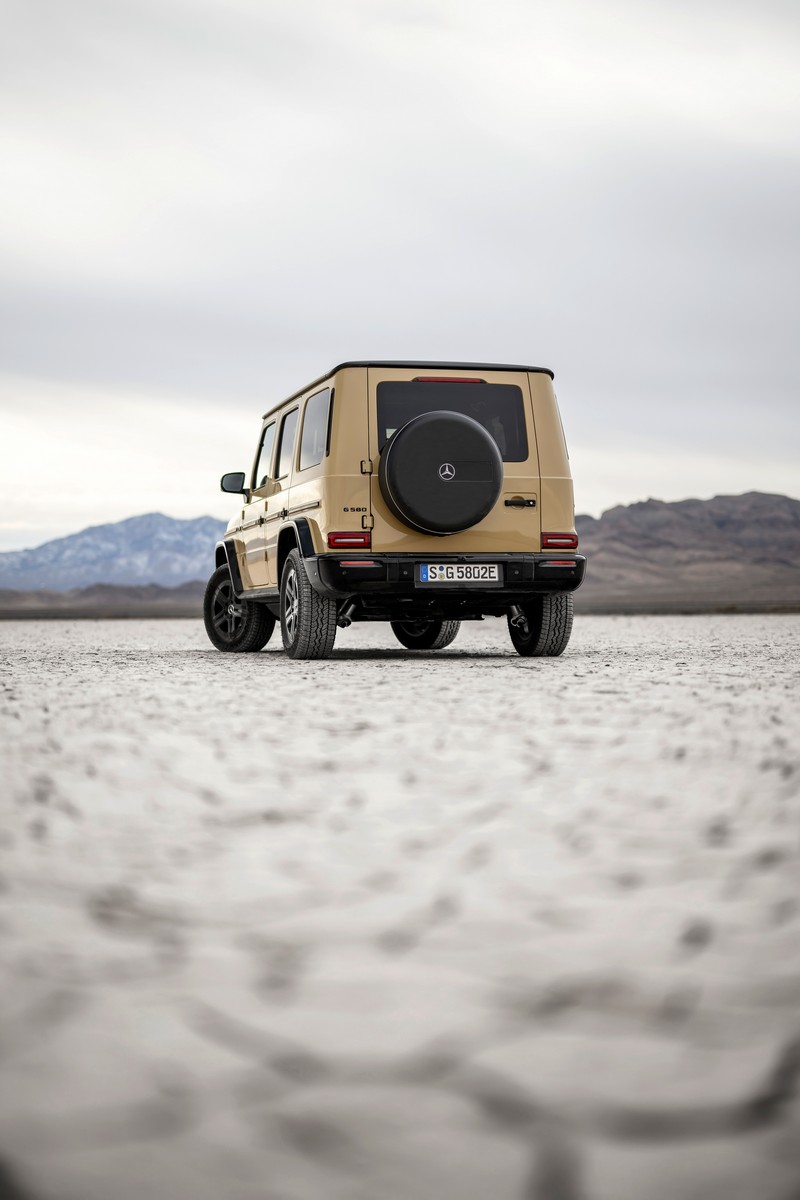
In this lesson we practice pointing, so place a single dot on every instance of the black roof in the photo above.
(414, 362)
(451, 366)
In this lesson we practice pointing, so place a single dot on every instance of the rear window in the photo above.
(315, 430)
(497, 407)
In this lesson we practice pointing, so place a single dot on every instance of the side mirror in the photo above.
(233, 482)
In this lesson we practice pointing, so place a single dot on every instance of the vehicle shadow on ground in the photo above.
(356, 654)
(366, 653)
(362, 654)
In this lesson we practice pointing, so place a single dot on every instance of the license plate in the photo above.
(473, 574)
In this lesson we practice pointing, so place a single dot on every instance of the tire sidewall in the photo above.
(427, 638)
(549, 619)
(292, 566)
(416, 639)
(257, 623)
(219, 580)
(315, 630)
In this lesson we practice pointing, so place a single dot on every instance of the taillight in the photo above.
(559, 541)
(444, 379)
(350, 541)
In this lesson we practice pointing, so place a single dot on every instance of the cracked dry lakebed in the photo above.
(401, 926)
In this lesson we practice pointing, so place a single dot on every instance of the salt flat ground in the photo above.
(401, 927)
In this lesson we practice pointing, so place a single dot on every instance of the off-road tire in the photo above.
(234, 626)
(425, 635)
(549, 625)
(308, 620)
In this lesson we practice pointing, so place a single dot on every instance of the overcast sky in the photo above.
(207, 203)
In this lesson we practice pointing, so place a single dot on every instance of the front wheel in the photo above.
(425, 635)
(234, 625)
(308, 620)
(546, 628)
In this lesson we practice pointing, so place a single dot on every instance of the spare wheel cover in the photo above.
(441, 473)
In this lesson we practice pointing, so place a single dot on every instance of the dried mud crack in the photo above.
(399, 925)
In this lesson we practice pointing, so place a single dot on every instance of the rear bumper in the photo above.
(387, 575)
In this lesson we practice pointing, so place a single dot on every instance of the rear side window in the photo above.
(315, 430)
(288, 430)
(498, 407)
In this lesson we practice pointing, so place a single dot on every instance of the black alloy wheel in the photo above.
(234, 624)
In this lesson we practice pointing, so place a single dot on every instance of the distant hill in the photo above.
(105, 600)
(142, 550)
(732, 552)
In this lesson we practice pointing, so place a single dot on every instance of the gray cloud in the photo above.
(214, 201)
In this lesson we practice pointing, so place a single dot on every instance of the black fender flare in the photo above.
(228, 548)
(302, 539)
(302, 529)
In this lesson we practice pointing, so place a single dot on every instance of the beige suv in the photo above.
(422, 494)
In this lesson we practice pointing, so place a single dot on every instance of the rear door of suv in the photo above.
(501, 402)
(306, 495)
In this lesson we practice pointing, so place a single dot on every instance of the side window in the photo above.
(261, 473)
(315, 430)
(286, 447)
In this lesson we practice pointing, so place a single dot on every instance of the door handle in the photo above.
(519, 502)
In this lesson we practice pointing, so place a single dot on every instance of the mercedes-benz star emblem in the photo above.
(447, 472)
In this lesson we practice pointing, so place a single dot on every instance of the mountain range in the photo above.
(737, 553)
(732, 552)
(141, 550)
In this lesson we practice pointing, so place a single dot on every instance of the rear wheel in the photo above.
(425, 635)
(547, 626)
(232, 624)
(308, 620)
